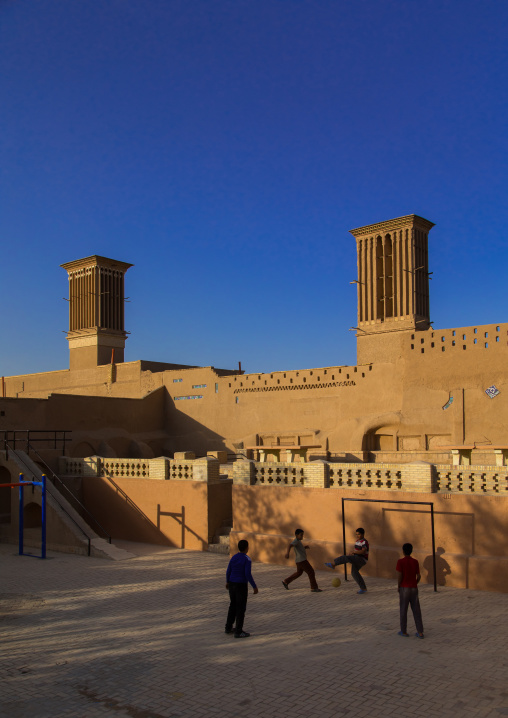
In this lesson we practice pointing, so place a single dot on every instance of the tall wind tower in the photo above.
(96, 311)
(393, 276)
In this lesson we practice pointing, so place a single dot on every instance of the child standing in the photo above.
(238, 576)
(301, 562)
(408, 575)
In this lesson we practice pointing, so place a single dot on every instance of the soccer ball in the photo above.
(336, 582)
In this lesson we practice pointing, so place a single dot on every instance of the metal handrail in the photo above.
(29, 437)
(53, 476)
(88, 538)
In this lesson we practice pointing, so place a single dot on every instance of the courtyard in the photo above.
(144, 638)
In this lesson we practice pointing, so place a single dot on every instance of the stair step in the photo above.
(219, 548)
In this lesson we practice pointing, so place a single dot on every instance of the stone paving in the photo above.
(144, 638)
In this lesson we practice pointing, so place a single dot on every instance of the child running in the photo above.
(408, 577)
(301, 562)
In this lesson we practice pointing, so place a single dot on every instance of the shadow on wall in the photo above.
(119, 514)
(187, 434)
(256, 512)
(442, 567)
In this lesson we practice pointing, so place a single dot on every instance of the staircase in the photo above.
(220, 543)
(68, 531)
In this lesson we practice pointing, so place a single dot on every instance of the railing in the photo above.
(17, 438)
(360, 476)
(471, 479)
(55, 499)
(278, 475)
(61, 485)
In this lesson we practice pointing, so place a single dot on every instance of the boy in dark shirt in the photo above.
(238, 575)
(301, 562)
(408, 575)
(357, 559)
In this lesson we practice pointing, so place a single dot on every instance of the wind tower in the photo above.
(393, 280)
(96, 311)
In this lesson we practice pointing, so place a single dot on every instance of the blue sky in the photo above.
(225, 148)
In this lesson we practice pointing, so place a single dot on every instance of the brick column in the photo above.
(243, 472)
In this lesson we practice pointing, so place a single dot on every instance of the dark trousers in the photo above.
(238, 593)
(357, 562)
(302, 566)
(409, 597)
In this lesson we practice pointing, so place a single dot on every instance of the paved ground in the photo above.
(144, 638)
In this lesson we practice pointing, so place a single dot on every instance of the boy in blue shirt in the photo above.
(238, 576)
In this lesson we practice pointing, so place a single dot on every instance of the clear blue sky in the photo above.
(226, 147)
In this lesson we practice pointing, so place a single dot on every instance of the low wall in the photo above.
(471, 538)
(418, 476)
(172, 513)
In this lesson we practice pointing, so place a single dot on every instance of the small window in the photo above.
(422, 350)
(311, 373)
(176, 381)
(463, 346)
(486, 335)
(363, 375)
(453, 333)
(498, 328)
(370, 368)
(216, 388)
(237, 399)
(412, 346)
(442, 349)
(476, 330)
(333, 377)
(290, 380)
(497, 339)
(464, 337)
(356, 368)
(278, 381)
(486, 345)
(284, 375)
(412, 336)
(319, 378)
(442, 339)
(432, 345)
(325, 372)
(476, 341)
(453, 343)
(304, 380)
(347, 376)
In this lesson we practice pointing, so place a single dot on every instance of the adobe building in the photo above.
(423, 410)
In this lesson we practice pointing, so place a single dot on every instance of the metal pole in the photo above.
(344, 538)
(21, 488)
(43, 512)
(433, 545)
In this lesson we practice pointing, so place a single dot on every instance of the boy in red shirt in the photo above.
(408, 575)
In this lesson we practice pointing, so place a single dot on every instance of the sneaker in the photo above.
(330, 565)
(419, 635)
(243, 634)
(285, 585)
(406, 635)
(316, 590)
(362, 590)
(229, 630)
